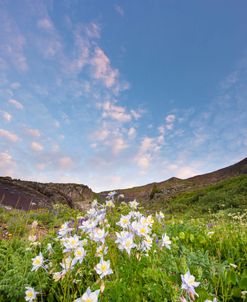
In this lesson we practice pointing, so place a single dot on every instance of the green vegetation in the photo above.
(208, 233)
(229, 194)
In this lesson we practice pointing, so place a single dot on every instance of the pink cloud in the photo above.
(12, 137)
(16, 104)
(36, 147)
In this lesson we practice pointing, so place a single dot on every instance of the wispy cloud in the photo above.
(10, 136)
(6, 116)
(119, 10)
(36, 147)
(16, 104)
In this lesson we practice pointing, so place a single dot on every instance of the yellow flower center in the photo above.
(103, 268)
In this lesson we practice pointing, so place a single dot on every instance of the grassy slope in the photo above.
(226, 194)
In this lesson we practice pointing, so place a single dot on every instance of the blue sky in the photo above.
(115, 94)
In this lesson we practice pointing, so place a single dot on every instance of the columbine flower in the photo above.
(142, 230)
(165, 241)
(101, 250)
(71, 243)
(34, 224)
(189, 284)
(38, 262)
(64, 230)
(103, 268)
(111, 194)
(109, 203)
(58, 275)
(124, 221)
(49, 248)
(160, 216)
(98, 235)
(67, 264)
(32, 238)
(125, 240)
(79, 254)
(30, 294)
(147, 243)
(89, 296)
(133, 204)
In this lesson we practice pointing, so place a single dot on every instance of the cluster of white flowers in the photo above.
(136, 233)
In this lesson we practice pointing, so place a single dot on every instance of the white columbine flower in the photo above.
(98, 235)
(103, 268)
(89, 296)
(79, 255)
(133, 204)
(38, 262)
(64, 230)
(165, 241)
(160, 216)
(125, 241)
(71, 243)
(189, 284)
(30, 294)
(109, 203)
(32, 238)
(67, 264)
(124, 221)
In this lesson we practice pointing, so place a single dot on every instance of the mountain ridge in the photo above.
(27, 195)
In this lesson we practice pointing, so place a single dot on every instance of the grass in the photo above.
(208, 230)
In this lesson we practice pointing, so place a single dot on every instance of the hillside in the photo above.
(31, 195)
(170, 188)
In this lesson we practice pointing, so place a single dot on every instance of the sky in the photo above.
(114, 94)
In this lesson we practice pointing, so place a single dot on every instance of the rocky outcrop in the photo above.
(31, 195)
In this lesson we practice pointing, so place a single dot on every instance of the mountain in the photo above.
(174, 186)
(32, 195)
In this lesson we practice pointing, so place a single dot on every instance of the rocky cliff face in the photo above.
(31, 195)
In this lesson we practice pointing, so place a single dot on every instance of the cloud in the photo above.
(45, 24)
(119, 10)
(93, 30)
(16, 104)
(65, 162)
(10, 136)
(170, 118)
(6, 116)
(132, 133)
(12, 42)
(118, 145)
(7, 163)
(33, 132)
(102, 69)
(36, 147)
(118, 113)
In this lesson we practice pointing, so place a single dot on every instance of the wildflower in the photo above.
(142, 230)
(58, 275)
(189, 284)
(124, 221)
(94, 203)
(30, 294)
(98, 235)
(79, 254)
(38, 262)
(49, 248)
(64, 230)
(109, 203)
(125, 240)
(214, 300)
(32, 238)
(103, 268)
(89, 296)
(67, 264)
(165, 241)
(147, 243)
(160, 216)
(71, 243)
(111, 194)
(133, 204)
(34, 224)
(101, 250)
